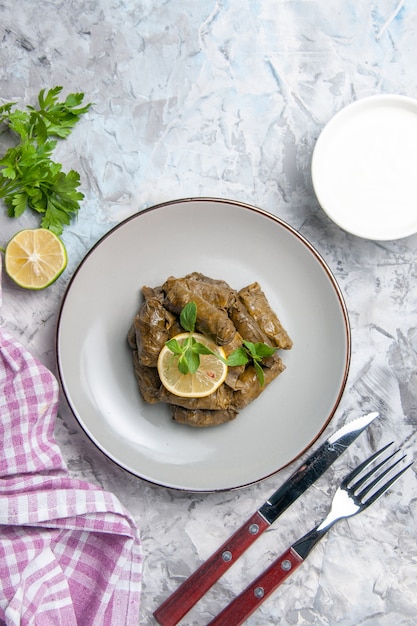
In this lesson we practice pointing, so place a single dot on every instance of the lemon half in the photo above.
(208, 377)
(34, 258)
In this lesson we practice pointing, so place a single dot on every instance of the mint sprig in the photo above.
(188, 350)
(254, 351)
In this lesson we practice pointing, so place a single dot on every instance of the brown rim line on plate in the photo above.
(240, 244)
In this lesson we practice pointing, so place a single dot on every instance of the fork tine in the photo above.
(387, 485)
(260, 588)
(373, 471)
(358, 470)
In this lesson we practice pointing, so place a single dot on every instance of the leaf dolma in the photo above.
(199, 418)
(249, 387)
(152, 325)
(211, 320)
(259, 308)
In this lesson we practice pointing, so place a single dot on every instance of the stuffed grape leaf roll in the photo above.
(151, 327)
(260, 310)
(227, 316)
(200, 418)
(211, 320)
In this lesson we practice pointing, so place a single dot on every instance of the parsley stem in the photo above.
(29, 178)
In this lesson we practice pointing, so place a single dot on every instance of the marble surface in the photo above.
(226, 99)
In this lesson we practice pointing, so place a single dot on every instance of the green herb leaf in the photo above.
(188, 316)
(29, 178)
(193, 359)
(259, 373)
(19, 203)
(237, 357)
(200, 348)
(183, 364)
(259, 350)
(250, 348)
(254, 351)
(174, 346)
(189, 350)
(61, 202)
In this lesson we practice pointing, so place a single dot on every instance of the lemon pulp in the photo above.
(210, 374)
(34, 258)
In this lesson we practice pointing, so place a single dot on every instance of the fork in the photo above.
(356, 492)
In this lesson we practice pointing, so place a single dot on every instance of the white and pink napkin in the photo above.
(70, 554)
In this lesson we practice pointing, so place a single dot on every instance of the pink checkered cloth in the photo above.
(70, 554)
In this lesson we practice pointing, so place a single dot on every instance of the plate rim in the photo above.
(347, 111)
(313, 251)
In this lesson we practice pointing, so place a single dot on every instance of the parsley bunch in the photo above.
(189, 351)
(29, 178)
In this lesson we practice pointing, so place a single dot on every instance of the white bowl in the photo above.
(364, 167)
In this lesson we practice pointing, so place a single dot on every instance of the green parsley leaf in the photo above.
(59, 118)
(29, 178)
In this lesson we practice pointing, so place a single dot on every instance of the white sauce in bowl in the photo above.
(364, 167)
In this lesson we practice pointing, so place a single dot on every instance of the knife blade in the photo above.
(173, 609)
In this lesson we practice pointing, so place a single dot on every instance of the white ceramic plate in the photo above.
(364, 167)
(239, 244)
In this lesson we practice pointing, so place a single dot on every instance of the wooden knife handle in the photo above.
(187, 595)
(246, 602)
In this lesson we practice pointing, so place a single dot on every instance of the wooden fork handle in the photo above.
(187, 595)
(248, 601)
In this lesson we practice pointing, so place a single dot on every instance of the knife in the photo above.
(173, 609)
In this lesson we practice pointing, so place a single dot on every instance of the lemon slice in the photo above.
(209, 376)
(34, 258)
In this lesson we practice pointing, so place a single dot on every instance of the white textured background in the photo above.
(226, 99)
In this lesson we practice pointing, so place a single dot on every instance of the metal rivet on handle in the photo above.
(253, 529)
(259, 592)
(227, 555)
(286, 565)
